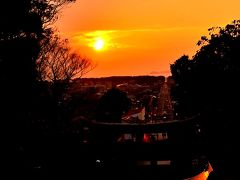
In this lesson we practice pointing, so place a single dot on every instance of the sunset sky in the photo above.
(140, 37)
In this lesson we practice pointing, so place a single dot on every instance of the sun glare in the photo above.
(99, 44)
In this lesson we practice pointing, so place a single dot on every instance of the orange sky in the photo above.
(141, 37)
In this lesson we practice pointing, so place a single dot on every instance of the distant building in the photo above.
(123, 87)
(135, 114)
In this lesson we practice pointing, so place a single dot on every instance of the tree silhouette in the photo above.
(207, 78)
(23, 25)
(57, 61)
(181, 71)
(58, 65)
(208, 84)
(112, 105)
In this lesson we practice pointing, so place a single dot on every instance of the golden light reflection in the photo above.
(204, 175)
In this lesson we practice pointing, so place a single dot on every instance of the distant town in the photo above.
(149, 95)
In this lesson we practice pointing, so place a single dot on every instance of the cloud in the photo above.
(111, 38)
(118, 38)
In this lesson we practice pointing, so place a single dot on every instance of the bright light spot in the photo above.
(206, 174)
(99, 44)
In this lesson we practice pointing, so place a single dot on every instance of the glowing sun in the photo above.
(99, 44)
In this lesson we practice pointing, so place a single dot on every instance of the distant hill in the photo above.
(124, 79)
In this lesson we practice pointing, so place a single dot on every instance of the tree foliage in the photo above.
(57, 62)
(208, 84)
(112, 105)
(24, 24)
(28, 18)
(205, 82)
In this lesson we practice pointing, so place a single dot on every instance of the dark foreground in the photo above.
(98, 152)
